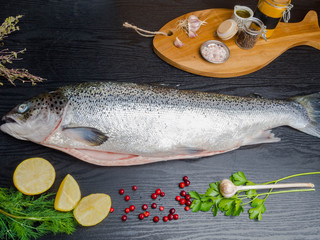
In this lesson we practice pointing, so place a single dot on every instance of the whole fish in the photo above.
(114, 124)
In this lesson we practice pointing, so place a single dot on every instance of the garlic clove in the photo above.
(177, 42)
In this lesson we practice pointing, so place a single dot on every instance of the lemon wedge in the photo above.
(92, 209)
(34, 176)
(68, 195)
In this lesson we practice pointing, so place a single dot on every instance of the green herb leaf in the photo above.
(227, 205)
(205, 199)
(238, 208)
(206, 206)
(194, 194)
(212, 192)
(238, 178)
(257, 209)
(195, 205)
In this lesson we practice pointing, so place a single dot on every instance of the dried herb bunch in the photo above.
(7, 57)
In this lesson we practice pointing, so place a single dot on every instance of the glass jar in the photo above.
(270, 13)
(248, 36)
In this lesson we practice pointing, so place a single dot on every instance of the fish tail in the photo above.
(312, 105)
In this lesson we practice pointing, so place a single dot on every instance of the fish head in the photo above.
(36, 118)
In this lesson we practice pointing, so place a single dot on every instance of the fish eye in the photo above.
(23, 108)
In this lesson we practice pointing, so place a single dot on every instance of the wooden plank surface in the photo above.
(78, 41)
(241, 62)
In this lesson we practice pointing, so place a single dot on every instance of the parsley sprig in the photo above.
(234, 206)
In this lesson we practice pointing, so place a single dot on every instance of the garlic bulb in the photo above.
(191, 25)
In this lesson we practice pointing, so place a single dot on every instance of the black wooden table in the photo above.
(78, 41)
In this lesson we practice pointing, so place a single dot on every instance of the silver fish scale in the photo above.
(157, 121)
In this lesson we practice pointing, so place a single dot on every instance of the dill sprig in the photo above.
(27, 217)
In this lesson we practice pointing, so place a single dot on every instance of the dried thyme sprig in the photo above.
(7, 57)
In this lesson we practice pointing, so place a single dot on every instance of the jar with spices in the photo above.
(270, 13)
(248, 36)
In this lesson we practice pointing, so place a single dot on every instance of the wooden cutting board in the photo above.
(241, 62)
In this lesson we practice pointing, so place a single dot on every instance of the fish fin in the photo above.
(312, 104)
(87, 135)
(263, 137)
(254, 95)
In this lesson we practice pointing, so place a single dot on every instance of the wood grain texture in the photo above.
(78, 41)
(240, 62)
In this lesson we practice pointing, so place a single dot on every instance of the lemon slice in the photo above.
(34, 176)
(68, 195)
(92, 209)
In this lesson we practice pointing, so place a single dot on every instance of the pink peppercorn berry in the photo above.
(188, 202)
(154, 196)
(172, 211)
(178, 198)
(146, 214)
(132, 208)
(182, 201)
(187, 183)
(170, 216)
(124, 218)
(185, 178)
(127, 198)
(112, 210)
(165, 219)
(187, 197)
(183, 193)
(134, 188)
(158, 191)
(182, 185)
(141, 216)
(144, 206)
(161, 208)
(162, 194)
(175, 216)
(127, 210)
(121, 191)
(156, 219)
(153, 205)
(187, 208)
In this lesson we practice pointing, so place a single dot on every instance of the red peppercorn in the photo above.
(188, 202)
(182, 185)
(154, 196)
(127, 198)
(144, 206)
(124, 218)
(153, 205)
(141, 216)
(185, 178)
(165, 219)
(187, 183)
(121, 191)
(183, 193)
(158, 191)
(172, 211)
(187, 197)
(156, 219)
(187, 208)
(161, 208)
(132, 208)
(127, 210)
(178, 198)
(111, 210)
(175, 216)
(182, 201)
(162, 194)
(134, 188)
(146, 214)
(170, 216)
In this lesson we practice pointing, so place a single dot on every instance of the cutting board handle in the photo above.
(311, 21)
